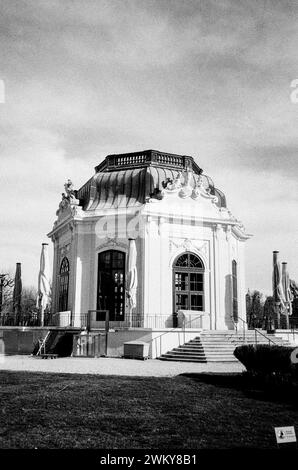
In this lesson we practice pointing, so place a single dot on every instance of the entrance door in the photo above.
(111, 282)
(188, 283)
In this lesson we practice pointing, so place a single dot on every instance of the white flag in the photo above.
(44, 287)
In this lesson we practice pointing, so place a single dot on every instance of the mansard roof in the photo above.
(130, 179)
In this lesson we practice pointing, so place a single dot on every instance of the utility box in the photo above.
(136, 350)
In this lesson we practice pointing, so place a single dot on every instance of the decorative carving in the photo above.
(190, 245)
(69, 189)
(196, 192)
(187, 244)
(157, 195)
(68, 200)
(173, 185)
(200, 191)
(63, 204)
(186, 188)
(112, 243)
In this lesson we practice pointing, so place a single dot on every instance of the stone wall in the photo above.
(19, 340)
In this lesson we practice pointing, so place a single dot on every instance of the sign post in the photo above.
(285, 434)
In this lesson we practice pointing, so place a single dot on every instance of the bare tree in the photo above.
(294, 288)
(254, 309)
(6, 292)
(294, 316)
(28, 305)
(269, 312)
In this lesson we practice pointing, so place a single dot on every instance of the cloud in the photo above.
(208, 79)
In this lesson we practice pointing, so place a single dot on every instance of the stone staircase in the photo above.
(217, 346)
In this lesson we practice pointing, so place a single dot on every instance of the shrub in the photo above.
(266, 359)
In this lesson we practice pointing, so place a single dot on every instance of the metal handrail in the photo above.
(236, 326)
(256, 330)
(293, 331)
(175, 329)
(134, 321)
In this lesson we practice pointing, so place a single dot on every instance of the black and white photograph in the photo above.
(149, 230)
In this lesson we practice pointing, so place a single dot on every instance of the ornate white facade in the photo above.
(169, 208)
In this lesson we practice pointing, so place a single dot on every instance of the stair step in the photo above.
(176, 354)
(163, 358)
(232, 359)
(220, 347)
(173, 359)
(219, 356)
(215, 343)
(201, 356)
(187, 348)
(216, 347)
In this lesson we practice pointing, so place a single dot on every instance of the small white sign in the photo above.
(285, 434)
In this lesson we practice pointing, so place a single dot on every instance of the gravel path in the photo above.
(112, 366)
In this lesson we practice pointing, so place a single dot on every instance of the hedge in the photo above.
(266, 359)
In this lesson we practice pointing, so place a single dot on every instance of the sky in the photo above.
(211, 79)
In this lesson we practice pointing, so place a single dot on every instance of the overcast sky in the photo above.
(210, 79)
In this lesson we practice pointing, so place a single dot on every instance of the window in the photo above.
(234, 290)
(188, 280)
(111, 284)
(63, 285)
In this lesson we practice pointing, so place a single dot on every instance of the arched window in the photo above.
(111, 284)
(234, 290)
(63, 285)
(188, 282)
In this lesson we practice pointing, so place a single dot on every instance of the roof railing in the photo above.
(147, 158)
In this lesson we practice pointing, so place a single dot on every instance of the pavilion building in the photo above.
(150, 240)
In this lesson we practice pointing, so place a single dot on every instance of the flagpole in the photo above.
(17, 294)
(131, 279)
(41, 313)
(43, 282)
(285, 287)
(44, 246)
(275, 290)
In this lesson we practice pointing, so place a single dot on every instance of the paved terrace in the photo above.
(113, 366)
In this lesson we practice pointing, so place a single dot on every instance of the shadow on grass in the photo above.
(51, 411)
(263, 389)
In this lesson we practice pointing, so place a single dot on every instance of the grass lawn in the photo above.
(45, 410)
